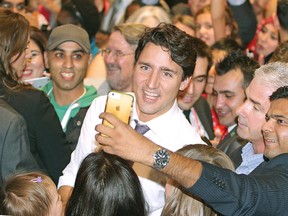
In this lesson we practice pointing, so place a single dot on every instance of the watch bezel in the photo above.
(161, 158)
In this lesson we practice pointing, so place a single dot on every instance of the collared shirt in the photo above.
(250, 160)
(170, 130)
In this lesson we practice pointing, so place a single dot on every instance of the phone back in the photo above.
(120, 105)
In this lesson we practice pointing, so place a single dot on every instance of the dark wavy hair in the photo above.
(14, 34)
(174, 41)
(280, 93)
(237, 59)
(106, 185)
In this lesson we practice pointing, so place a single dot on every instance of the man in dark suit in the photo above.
(15, 155)
(263, 192)
(194, 106)
(233, 75)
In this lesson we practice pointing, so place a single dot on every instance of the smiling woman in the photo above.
(35, 67)
(265, 42)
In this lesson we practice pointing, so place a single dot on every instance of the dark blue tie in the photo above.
(142, 129)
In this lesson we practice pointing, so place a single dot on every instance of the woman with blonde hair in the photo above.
(179, 203)
(214, 23)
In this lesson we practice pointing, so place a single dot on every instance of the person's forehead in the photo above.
(279, 107)
(116, 39)
(257, 92)
(201, 66)
(232, 79)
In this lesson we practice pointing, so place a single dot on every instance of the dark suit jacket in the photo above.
(204, 113)
(263, 192)
(47, 139)
(232, 145)
(15, 155)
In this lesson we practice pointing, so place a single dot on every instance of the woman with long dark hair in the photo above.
(47, 140)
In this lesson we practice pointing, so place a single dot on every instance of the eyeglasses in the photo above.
(9, 5)
(115, 53)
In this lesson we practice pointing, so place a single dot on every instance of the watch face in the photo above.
(161, 158)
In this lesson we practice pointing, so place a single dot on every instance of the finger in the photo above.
(101, 138)
(111, 119)
(104, 129)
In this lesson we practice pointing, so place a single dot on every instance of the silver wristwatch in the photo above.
(161, 158)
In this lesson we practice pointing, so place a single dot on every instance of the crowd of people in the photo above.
(209, 81)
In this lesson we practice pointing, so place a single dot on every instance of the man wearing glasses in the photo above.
(119, 57)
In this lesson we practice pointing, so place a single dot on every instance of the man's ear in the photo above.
(46, 59)
(185, 83)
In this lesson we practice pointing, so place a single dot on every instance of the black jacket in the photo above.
(47, 140)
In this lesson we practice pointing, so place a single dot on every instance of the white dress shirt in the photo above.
(170, 130)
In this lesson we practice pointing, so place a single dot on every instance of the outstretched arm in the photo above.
(125, 142)
(218, 18)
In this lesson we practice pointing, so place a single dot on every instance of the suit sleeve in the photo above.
(15, 155)
(232, 194)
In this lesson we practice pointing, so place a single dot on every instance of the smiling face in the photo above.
(267, 40)
(156, 82)
(119, 62)
(188, 97)
(35, 67)
(204, 28)
(275, 130)
(228, 95)
(67, 64)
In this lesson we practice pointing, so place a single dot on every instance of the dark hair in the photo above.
(202, 50)
(14, 33)
(238, 60)
(85, 13)
(174, 41)
(281, 92)
(39, 38)
(106, 185)
(282, 13)
(227, 44)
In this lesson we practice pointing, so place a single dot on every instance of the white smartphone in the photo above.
(38, 82)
